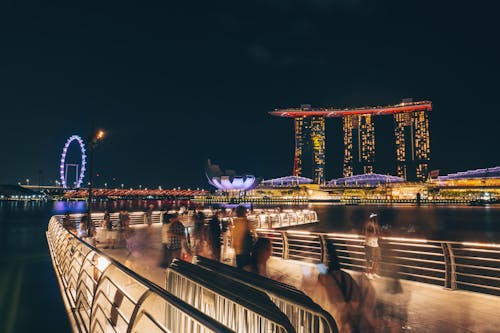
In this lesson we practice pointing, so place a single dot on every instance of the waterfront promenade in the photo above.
(426, 308)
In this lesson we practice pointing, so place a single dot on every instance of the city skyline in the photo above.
(174, 84)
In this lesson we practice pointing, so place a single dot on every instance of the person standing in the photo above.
(176, 237)
(84, 224)
(201, 238)
(372, 248)
(87, 229)
(242, 237)
(124, 225)
(68, 224)
(215, 235)
(166, 256)
(110, 234)
(148, 216)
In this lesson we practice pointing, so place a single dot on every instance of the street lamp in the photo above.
(92, 143)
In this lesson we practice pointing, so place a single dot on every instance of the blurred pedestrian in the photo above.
(176, 237)
(67, 223)
(148, 215)
(166, 255)
(260, 255)
(126, 232)
(201, 239)
(336, 292)
(214, 226)
(372, 248)
(242, 237)
(110, 234)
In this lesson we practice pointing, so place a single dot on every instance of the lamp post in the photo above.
(93, 140)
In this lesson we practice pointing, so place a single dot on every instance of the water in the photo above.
(458, 223)
(29, 294)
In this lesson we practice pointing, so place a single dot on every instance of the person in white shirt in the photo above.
(372, 248)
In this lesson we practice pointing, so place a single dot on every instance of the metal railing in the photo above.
(282, 219)
(304, 314)
(453, 265)
(101, 295)
(235, 305)
(261, 219)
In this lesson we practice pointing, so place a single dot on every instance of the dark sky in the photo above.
(177, 82)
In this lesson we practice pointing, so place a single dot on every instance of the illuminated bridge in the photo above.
(411, 129)
(134, 193)
(445, 286)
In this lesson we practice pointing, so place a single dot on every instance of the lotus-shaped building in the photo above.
(228, 180)
(233, 183)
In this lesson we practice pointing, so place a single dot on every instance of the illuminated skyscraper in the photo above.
(412, 145)
(359, 144)
(299, 146)
(309, 159)
(411, 131)
(318, 148)
(348, 126)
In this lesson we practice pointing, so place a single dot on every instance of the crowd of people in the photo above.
(351, 301)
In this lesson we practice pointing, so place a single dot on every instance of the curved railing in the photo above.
(454, 265)
(232, 303)
(101, 295)
(304, 314)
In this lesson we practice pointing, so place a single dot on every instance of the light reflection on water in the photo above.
(459, 223)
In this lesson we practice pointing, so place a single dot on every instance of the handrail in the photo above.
(242, 304)
(261, 219)
(101, 294)
(469, 266)
(304, 314)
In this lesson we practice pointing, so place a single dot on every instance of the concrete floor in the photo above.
(424, 307)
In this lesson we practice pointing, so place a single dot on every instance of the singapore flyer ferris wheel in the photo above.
(80, 169)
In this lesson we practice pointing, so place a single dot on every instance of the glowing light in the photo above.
(343, 235)
(225, 183)
(481, 244)
(299, 232)
(100, 135)
(404, 239)
(63, 161)
(102, 263)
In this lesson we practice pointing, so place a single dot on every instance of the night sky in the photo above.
(177, 82)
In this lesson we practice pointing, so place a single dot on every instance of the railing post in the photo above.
(450, 275)
(284, 236)
(324, 250)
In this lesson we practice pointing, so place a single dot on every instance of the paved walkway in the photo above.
(426, 308)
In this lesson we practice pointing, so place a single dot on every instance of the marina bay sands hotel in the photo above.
(411, 129)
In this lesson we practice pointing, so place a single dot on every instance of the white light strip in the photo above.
(481, 244)
(403, 239)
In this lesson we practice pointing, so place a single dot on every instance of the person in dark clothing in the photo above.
(215, 234)
(176, 236)
(261, 252)
(201, 238)
(336, 292)
(243, 236)
(166, 254)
